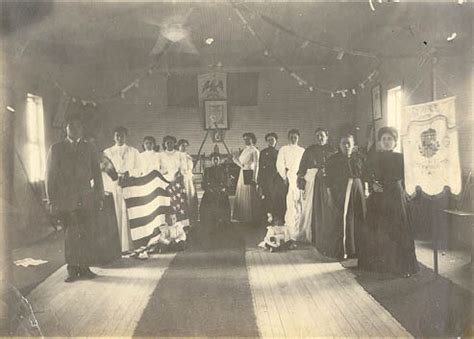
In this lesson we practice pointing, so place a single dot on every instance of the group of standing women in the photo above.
(174, 163)
(349, 204)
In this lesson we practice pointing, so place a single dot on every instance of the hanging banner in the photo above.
(212, 86)
(430, 147)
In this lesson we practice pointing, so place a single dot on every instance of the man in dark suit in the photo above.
(75, 193)
(272, 189)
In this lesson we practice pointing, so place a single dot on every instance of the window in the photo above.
(35, 147)
(394, 110)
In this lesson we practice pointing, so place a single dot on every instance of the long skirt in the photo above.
(214, 210)
(307, 210)
(246, 201)
(123, 224)
(322, 221)
(191, 197)
(106, 233)
(347, 204)
(293, 207)
(275, 197)
(388, 245)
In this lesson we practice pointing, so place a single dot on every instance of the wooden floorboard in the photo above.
(110, 305)
(312, 296)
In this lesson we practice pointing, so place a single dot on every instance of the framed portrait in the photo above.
(377, 102)
(218, 135)
(215, 113)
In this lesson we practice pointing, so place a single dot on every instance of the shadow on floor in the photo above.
(205, 291)
(425, 304)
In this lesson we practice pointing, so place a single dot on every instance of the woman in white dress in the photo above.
(288, 162)
(246, 199)
(171, 160)
(148, 160)
(187, 171)
(125, 161)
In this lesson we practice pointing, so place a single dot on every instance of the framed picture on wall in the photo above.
(377, 102)
(217, 135)
(215, 113)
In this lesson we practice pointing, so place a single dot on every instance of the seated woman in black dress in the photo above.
(214, 210)
(388, 242)
(346, 201)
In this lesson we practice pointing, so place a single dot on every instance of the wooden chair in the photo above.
(460, 211)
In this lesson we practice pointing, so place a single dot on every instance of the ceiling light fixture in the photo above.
(174, 32)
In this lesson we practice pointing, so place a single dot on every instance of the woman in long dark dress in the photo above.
(389, 245)
(214, 210)
(346, 202)
(312, 180)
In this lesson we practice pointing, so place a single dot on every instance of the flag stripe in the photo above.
(135, 201)
(156, 186)
(140, 211)
(135, 223)
(140, 181)
(148, 230)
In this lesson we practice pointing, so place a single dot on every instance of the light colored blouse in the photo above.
(170, 164)
(148, 161)
(187, 164)
(124, 158)
(248, 160)
(288, 160)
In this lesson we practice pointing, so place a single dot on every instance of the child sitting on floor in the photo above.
(277, 237)
(172, 238)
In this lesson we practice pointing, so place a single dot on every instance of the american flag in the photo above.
(148, 202)
(179, 203)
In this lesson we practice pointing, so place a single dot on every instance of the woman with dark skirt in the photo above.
(346, 201)
(389, 244)
(214, 210)
(312, 181)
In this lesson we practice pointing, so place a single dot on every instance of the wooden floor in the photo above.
(298, 294)
(295, 294)
(110, 305)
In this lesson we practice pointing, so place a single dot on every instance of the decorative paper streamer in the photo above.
(285, 68)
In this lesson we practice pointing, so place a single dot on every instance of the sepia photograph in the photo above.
(260, 169)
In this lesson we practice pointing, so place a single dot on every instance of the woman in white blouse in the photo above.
(171, 160)
(187, 171)
(148, 160)
(125, 161)
(288, 163)
(246, 199)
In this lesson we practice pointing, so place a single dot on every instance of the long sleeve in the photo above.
(159, 163)
(205, 180)
(281, 163)
(97, 174)
(260, 167)
(51, 174)
(187, 164)
(368, 174)
(331, 170)
(134, 163)
(256, 157)
(305, 163)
